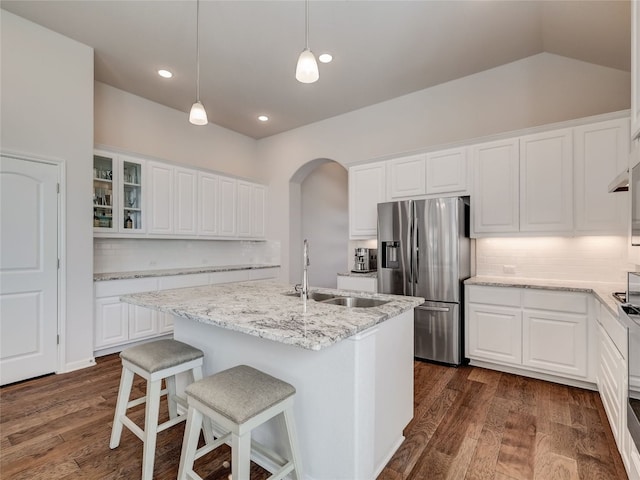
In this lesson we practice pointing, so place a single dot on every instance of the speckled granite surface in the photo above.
(262, 309)
(97, 277)
(356, 274)
(602, 290)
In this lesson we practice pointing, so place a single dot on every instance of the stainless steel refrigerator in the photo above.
(424, 250)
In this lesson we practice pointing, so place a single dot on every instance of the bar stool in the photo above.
(238, 400)
(154, 361)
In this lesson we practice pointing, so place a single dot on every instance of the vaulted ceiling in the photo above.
(381, 49)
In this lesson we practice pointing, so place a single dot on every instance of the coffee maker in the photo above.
(365, 260)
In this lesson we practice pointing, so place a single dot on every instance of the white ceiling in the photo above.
(381, 49)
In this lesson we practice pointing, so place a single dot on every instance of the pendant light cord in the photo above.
(197, 50)
(306, 24)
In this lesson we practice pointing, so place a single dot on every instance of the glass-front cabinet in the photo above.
(131, 218)
(104, 201)
(118, 193)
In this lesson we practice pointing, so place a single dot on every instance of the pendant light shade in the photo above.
(198, 115)
(307, 68)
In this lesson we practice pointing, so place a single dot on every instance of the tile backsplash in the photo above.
(126, 255)
(602, 259)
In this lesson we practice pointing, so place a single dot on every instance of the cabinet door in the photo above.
(142, 322)
(131, 190)
(258, 210)
(494, 333)
(555, 342)
(105, 192)
(611, 385)
(635, 69)
(546, 182)
(111, 322)
(406, 176)
(601, 151)
(208, 204)
(447, 171)
(227, 207)
(244, 209)
(495, 205)
(160, 204)
(165, 322)
(186, 201)
(366, 190)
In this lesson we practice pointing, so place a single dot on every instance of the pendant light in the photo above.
(307, 68)
(198, 115)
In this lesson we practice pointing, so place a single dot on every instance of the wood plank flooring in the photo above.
(469, 423)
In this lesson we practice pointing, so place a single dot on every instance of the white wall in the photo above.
(325, 223)
(600, 259)
(47, 112)
(134, 124)
(541, 89)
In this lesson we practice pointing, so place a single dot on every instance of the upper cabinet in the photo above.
(447, 172)
(546, 182)
(406, 177)
(635, 70)
(145, 196)
(601, 151)
(495, 205)
(367, 188)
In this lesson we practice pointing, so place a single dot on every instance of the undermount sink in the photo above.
(331, 299)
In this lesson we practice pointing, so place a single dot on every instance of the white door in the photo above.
(28, 269)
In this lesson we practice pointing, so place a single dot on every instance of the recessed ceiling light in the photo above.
(165, 73)
(325, 57)
(263, 118)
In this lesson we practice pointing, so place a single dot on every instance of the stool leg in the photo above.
(150, 428)
(171, 395)
(189, 443)
(240, 456)
(293, 442)
(207, 428)
(126, 382)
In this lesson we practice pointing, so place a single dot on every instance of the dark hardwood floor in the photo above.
(469, 423)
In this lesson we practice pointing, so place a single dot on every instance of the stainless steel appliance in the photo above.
(365, 260)
(425, 251)
(631, 315)
(634, 186)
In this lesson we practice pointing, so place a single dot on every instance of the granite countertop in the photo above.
(359, 274)
(261, 309)
(97, 277)
(601, 290)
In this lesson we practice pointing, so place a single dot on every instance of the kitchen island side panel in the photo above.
(353, 399)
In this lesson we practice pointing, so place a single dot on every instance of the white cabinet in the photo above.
(185, 212)
(357, 284)
(244, 209)
(160, 203)
(227, 205)
(406, 177)
(535, 330)
(258, 212)
(366, 190)
(635, 69)
(447, 172)
(111, 322)
(251, 209)
(143, 322)
(208, 201)
(601, 151)
(495, 202)
(612, 370)
(546, 182)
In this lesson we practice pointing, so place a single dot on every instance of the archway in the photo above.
(318, 208)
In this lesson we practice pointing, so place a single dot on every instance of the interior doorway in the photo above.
(320, 213)
(28, 269)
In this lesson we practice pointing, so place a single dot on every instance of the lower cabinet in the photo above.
(118, 324)
(534, 330)
(357, 284)
(612, 385)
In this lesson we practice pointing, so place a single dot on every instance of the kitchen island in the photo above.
(352, 367)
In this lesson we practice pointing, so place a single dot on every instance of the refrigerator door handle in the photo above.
(435, 309)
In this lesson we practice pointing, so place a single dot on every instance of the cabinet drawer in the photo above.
(112, 288)
(228, 277)
(183, 281)
(570, 302)
(509, 297)
(262, 273)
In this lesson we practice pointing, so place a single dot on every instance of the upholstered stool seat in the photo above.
(154, 361)
(238, 400)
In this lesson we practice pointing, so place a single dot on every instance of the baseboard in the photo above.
(79, 365)
(387, 459)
